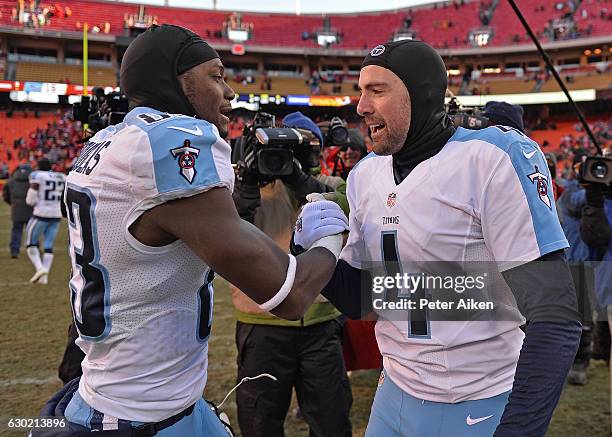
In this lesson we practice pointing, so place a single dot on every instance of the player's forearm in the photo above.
(349, 290)
(257, 266)
(32, 197)
(314, 269)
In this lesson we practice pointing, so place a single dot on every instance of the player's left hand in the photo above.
(317, 220)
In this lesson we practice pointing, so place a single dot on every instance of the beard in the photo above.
(391, 142)
(392, 139)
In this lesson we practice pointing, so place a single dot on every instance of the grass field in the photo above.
(34, 320)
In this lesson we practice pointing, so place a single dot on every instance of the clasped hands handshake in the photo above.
(321, 223)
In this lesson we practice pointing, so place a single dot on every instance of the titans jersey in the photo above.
(50, 187)
(486, 196)
(143, 313)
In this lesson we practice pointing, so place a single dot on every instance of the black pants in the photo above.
(584, 281)
(16, 237)
(70, 367)
(309, 359)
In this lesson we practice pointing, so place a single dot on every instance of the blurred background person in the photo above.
(571, 204)
(306, 354)
(45, 196)
(505, 114)
(14, 193)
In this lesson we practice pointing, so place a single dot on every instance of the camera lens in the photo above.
(599, 170)
(339, 136)
(274, 162)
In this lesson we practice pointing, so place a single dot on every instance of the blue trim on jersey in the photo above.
(211, 293)
(165, 145)
(548, 231)
(95, 263)
(368, 156)
(33, 176)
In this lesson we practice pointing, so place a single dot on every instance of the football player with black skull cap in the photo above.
(151, 220)
(430, 193)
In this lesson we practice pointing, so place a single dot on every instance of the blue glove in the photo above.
(318, 220)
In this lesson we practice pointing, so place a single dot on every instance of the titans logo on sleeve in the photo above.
(541, 182)
(187, 156)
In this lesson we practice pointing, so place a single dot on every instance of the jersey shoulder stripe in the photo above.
(35, 176)
(365, 158)
(531, 170)
(187, 153)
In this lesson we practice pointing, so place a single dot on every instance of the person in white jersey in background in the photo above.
(45, 195)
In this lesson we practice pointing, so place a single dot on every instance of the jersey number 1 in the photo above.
(418, 325)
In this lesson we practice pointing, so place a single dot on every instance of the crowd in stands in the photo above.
(104, 27)
(58, 141)
(234, 22)
(139, 20)
(443, 25)
(570, 138)
(579, 142)
(34, 14)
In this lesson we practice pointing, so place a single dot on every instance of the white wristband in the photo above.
(333, 243)
(282, 293)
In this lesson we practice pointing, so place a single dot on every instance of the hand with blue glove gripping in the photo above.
(320, 224)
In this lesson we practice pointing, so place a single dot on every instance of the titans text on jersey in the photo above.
(486, 196)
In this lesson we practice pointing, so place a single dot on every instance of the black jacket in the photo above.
(14, 193)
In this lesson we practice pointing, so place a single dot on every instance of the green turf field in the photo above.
(34, 320)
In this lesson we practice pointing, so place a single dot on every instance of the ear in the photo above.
(186, 82)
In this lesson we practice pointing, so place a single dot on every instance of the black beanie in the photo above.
(422, 71)
(357, 142)
(505, 114)
(154, 60)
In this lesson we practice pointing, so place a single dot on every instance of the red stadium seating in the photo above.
(446, 26)
(16, 127)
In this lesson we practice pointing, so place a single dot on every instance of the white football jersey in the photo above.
(143, 313)
(50, 188)
(486, 196)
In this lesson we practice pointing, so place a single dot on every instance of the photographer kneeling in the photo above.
(304, 354)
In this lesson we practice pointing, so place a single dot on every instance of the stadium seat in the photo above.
(440, 26)
(58, 73)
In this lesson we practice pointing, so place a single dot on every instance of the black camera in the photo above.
(101, 110)
(335, 133)
(271, 149)
(466, 118)
(596, 169)
(274, 149)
